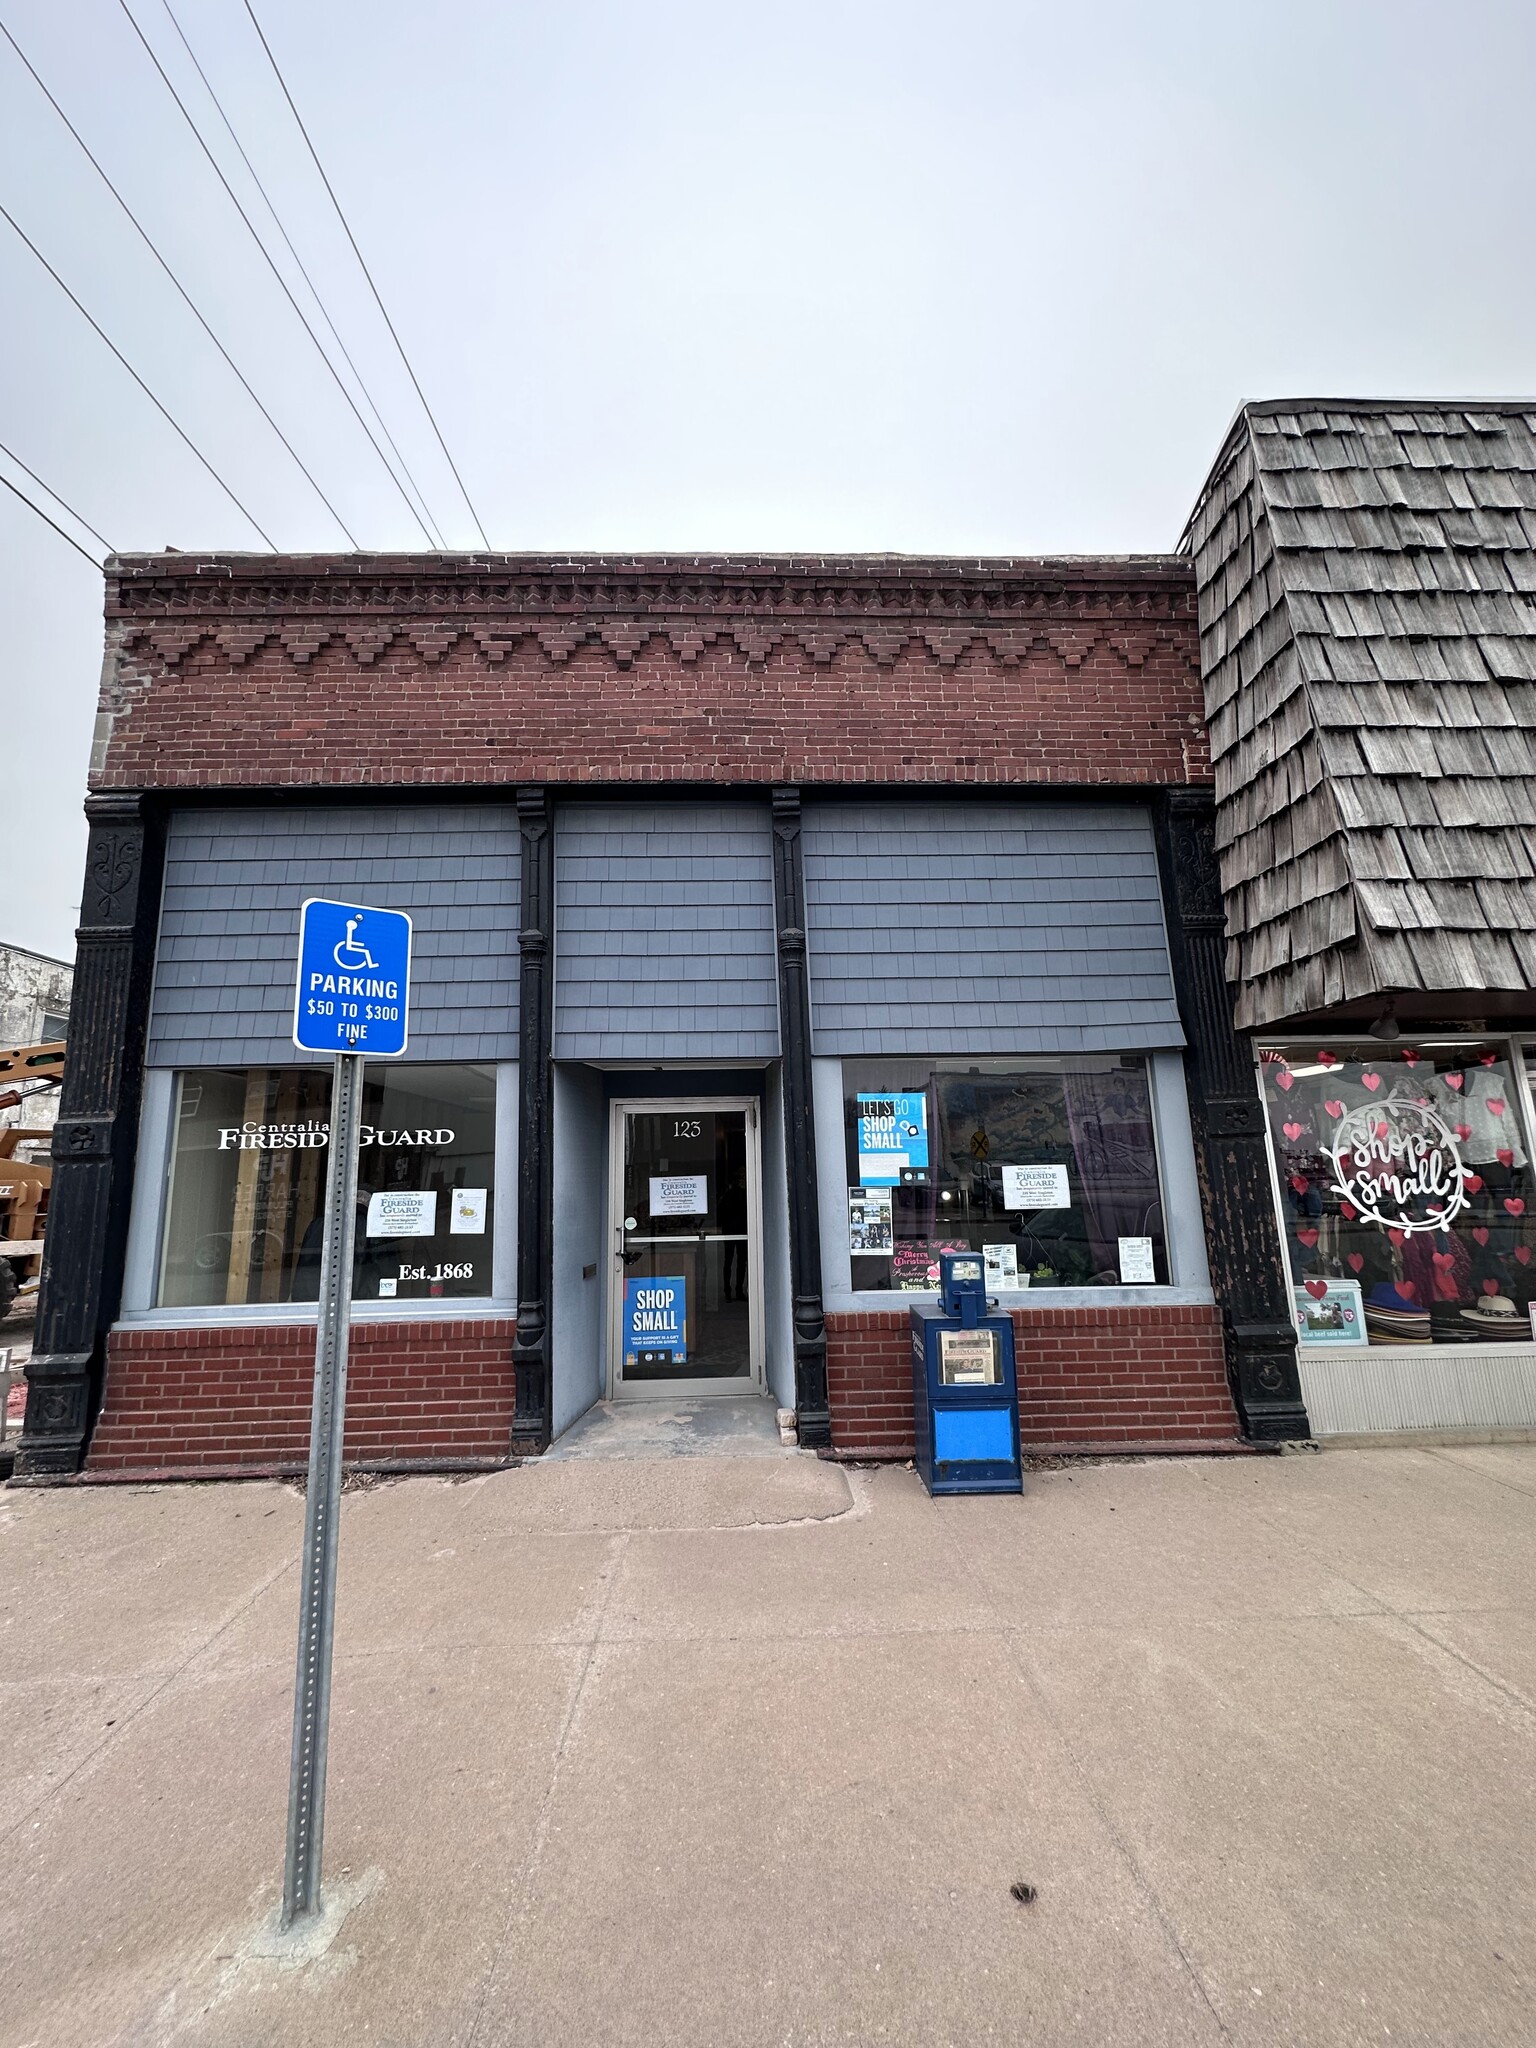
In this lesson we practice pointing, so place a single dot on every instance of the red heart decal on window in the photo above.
(1473, 1183)
(1514, 1205)
(1497, 1105)
(1506, 1156)
(1327, 1059)
(1285, 1079)
(1463, 1131)
(1444, 1260)
(1480, 1234)
(1317, 1289)
(1307, 1237)
(1411, 1059)
(1454, 1080)
(1293, 1131)
(1371, 1081)
(1489, 1058)
(1490, 1287)
(1348, 1209)
(1408, 1290)
(1523, 1254)
(1355, 1261)
(1334, 1108)
(1397, 1236)
(1300, 1183)
(1383, 1129)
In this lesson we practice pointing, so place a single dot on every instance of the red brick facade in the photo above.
(1088, 1378)
(237, 673)
(465, 673)
(203, 1402)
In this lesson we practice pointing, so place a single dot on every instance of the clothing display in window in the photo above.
(1404, 1168)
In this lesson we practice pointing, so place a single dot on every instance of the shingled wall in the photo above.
(1367, 596)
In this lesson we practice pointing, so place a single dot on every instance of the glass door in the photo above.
(686, 1307)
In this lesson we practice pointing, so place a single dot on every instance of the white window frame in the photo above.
(1517, 1042)
(1189, 1283)
(151, 1197)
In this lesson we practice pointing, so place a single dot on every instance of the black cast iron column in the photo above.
(811, 1405)
(1246, 1258)
(535, 1165)
(96, 1134)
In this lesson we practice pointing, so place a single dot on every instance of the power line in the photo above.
(378, 301)
(16, 491)
(165, 414)
(267, 256)
(176, 281)
(79, 519)
(314, 290)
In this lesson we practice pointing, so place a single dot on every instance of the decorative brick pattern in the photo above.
(1104, 1376)
(753, 671)
(220, 1400)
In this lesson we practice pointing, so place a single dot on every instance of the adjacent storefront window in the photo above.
(1406, 1190)
(1048, 1167)
(248, 1164)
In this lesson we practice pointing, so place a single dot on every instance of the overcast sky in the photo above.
(954, 278)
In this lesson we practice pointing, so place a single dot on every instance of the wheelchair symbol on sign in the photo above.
(350, 953)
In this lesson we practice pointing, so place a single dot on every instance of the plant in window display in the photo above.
(1404, 1169)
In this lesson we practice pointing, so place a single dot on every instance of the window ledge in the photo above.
(1030, 1297)
(288, 1314)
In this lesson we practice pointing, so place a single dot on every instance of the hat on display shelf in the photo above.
(1496, 1314)
(1392, 1317)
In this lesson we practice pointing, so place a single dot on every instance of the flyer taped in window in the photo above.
(870, 1233)
(893, 1138)
(1036, 1187)
(403, 1212)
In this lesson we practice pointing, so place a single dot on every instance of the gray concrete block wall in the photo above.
(664, 939)
(976, 927)
(234, 881)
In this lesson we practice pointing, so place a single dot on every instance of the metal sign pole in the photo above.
(322, 1507)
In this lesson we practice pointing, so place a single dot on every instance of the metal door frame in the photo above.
(753, 1381)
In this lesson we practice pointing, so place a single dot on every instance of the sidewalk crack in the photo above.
(522, 1888)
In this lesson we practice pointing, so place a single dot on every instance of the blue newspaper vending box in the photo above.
(964, 1386)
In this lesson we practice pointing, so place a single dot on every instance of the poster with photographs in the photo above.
(869, 1223)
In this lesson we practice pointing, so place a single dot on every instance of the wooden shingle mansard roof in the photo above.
(1367, 593)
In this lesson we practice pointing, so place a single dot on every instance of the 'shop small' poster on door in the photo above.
(656, 1322)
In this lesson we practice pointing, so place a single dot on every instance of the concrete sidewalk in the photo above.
(715, 1751)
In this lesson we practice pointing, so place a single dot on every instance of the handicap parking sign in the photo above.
(354, 979)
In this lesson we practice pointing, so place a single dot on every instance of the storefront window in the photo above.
(1047, 1167)
(248, 1164)
(1406, 1191)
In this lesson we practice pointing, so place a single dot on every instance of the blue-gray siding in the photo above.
(979, 927)
(664, 945)
(229, 926)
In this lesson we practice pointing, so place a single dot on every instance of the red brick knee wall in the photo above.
(1086, 1376)
(219, 1399)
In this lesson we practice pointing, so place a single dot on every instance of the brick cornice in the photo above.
(419, 608)
(654, 587)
